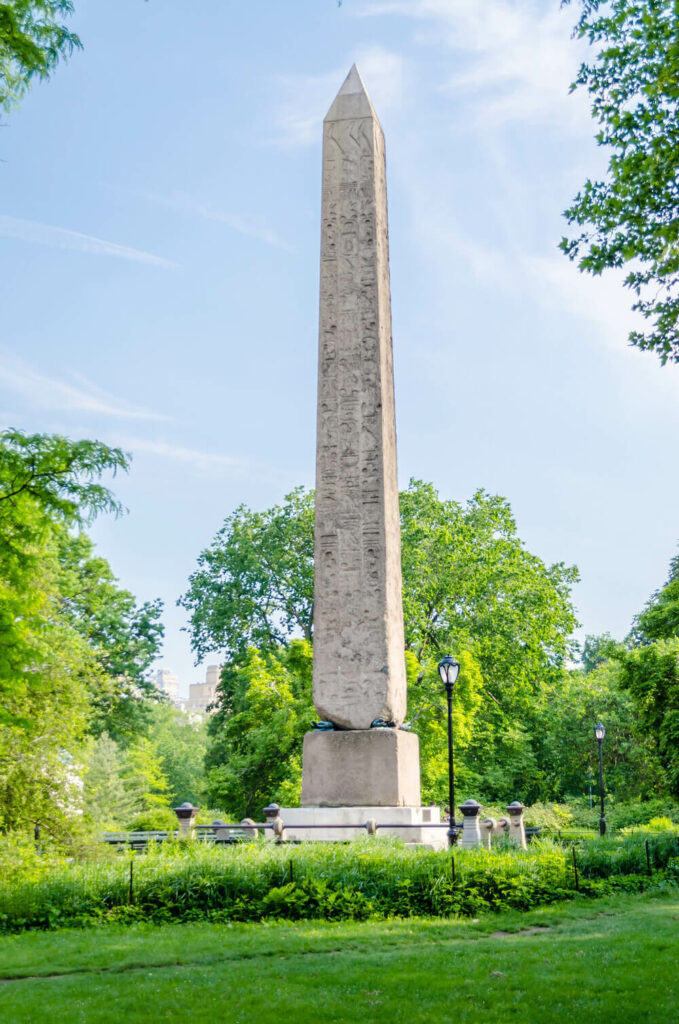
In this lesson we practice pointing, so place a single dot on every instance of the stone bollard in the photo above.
(248, 830)
(220, 831)
(186, 815)
(517, 832)
(487, 826)
(471, 833)
(273, 816)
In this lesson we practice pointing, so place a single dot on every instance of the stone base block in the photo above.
(361, 768)
(388, 820)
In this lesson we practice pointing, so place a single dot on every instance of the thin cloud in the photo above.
(208, 462)
(308, 97)
(245, 224)
(80, 395)
(516, 57)
(62, 238)
(198, 459)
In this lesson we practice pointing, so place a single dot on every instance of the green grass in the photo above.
(610, 960)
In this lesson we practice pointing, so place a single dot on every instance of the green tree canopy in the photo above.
(46, 484)
(651, 674)
(124, 637)
(34, 37)
(73, 645)
(660, 618)
(254, 586)
(181, 742)
(468, 583)
(470, 586)
(256, 750)
(630, 219)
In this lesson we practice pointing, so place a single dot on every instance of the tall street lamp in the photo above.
(449, 669)
(600, 732)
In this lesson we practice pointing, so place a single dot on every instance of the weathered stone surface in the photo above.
(359, 669)
(376, 767)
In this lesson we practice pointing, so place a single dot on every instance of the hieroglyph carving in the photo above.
(359, 669)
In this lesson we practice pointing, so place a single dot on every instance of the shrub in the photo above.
(606, 857)
(184, 881)
(156, 819)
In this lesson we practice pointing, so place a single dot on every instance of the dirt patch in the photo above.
(538, 929)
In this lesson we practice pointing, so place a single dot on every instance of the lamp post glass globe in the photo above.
(449, 669)
(599, 731)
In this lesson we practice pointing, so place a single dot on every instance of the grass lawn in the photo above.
(592, 961)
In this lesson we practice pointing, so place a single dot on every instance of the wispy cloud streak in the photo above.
(515, 59)
(244, 224)
(62, 238)
(80, 395)
(209, 462)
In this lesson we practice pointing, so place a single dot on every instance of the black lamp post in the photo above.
(449, 670)
(600, 732)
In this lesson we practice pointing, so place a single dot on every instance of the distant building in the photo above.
(203, 694)
(167, 682)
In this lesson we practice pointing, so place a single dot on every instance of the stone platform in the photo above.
(362, 768)
(294, 817)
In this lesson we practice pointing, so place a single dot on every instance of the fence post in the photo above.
(292, 874)
(517, 832)
(452, 868)
(131, 895)
(648, 858)
(575, 870)
(186, 815)
(471, 833)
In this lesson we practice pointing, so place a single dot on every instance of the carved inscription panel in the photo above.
(359, 671)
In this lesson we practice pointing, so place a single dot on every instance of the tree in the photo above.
(469, 586)
(47, 484)
(181, 742)
(33, 39)
(660, 618)
(108, 800)
(120, 783)
(598, 649)
(256, 753)
(467, 580)
(124, 637)
(71, 642)
(631, 218)
(569, 752)
(255, 583)
(428, 717)
(651, 674)
(60, 475)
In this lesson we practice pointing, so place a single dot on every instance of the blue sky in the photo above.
(159, 240)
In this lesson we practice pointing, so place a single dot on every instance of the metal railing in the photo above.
(230, 833)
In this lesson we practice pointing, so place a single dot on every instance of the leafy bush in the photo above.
(654, 826)
(623, 815)
(549, 816)
(607, 857)
(184, 881)
(156, 819)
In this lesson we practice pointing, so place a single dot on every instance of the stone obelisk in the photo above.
(359, 665)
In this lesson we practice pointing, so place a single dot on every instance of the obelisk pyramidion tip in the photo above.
(352, 100)
(353, 82)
